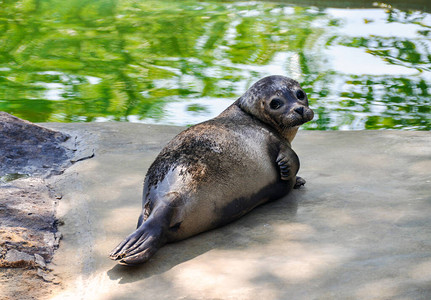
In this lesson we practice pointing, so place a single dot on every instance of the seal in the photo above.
(216, 171)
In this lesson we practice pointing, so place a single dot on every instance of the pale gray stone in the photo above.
(40, 261)
(15, 256)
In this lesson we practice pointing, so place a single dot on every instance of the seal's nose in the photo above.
(299, 110)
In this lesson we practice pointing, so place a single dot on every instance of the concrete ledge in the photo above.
(360, 229)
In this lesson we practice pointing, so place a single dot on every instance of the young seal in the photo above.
(218, 170)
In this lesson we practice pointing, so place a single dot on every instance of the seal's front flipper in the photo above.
(285, 166)
(288, 163)
(138, 247)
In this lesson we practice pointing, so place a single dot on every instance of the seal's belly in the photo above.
(242, 205)
(207, 211)
(238, 188)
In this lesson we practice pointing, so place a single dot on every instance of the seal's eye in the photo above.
(276, 103)
(300, 95)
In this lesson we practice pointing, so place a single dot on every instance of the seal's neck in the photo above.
(287, 133)
(290, 133)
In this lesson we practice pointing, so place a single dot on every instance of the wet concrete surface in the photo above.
(359, 229)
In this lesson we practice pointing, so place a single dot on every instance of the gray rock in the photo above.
(26, 148)
(13, 256)
(30, 153)
(40, 261)
(58, 236)
(48, 277)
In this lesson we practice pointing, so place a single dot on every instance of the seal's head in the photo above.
(279, 102)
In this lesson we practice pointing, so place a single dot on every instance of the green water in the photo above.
(182, 62)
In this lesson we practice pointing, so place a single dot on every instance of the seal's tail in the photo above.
(139, 246)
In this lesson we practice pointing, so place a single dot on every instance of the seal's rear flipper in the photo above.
(138, 247)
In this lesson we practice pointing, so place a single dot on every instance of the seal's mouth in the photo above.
(300, 115)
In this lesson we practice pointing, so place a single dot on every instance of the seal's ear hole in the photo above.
(300, 95)
(276, 103)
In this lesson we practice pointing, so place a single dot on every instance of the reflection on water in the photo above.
(182, 62)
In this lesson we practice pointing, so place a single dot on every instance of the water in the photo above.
(182, 62)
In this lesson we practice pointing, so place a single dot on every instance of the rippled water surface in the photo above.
(182, 62)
